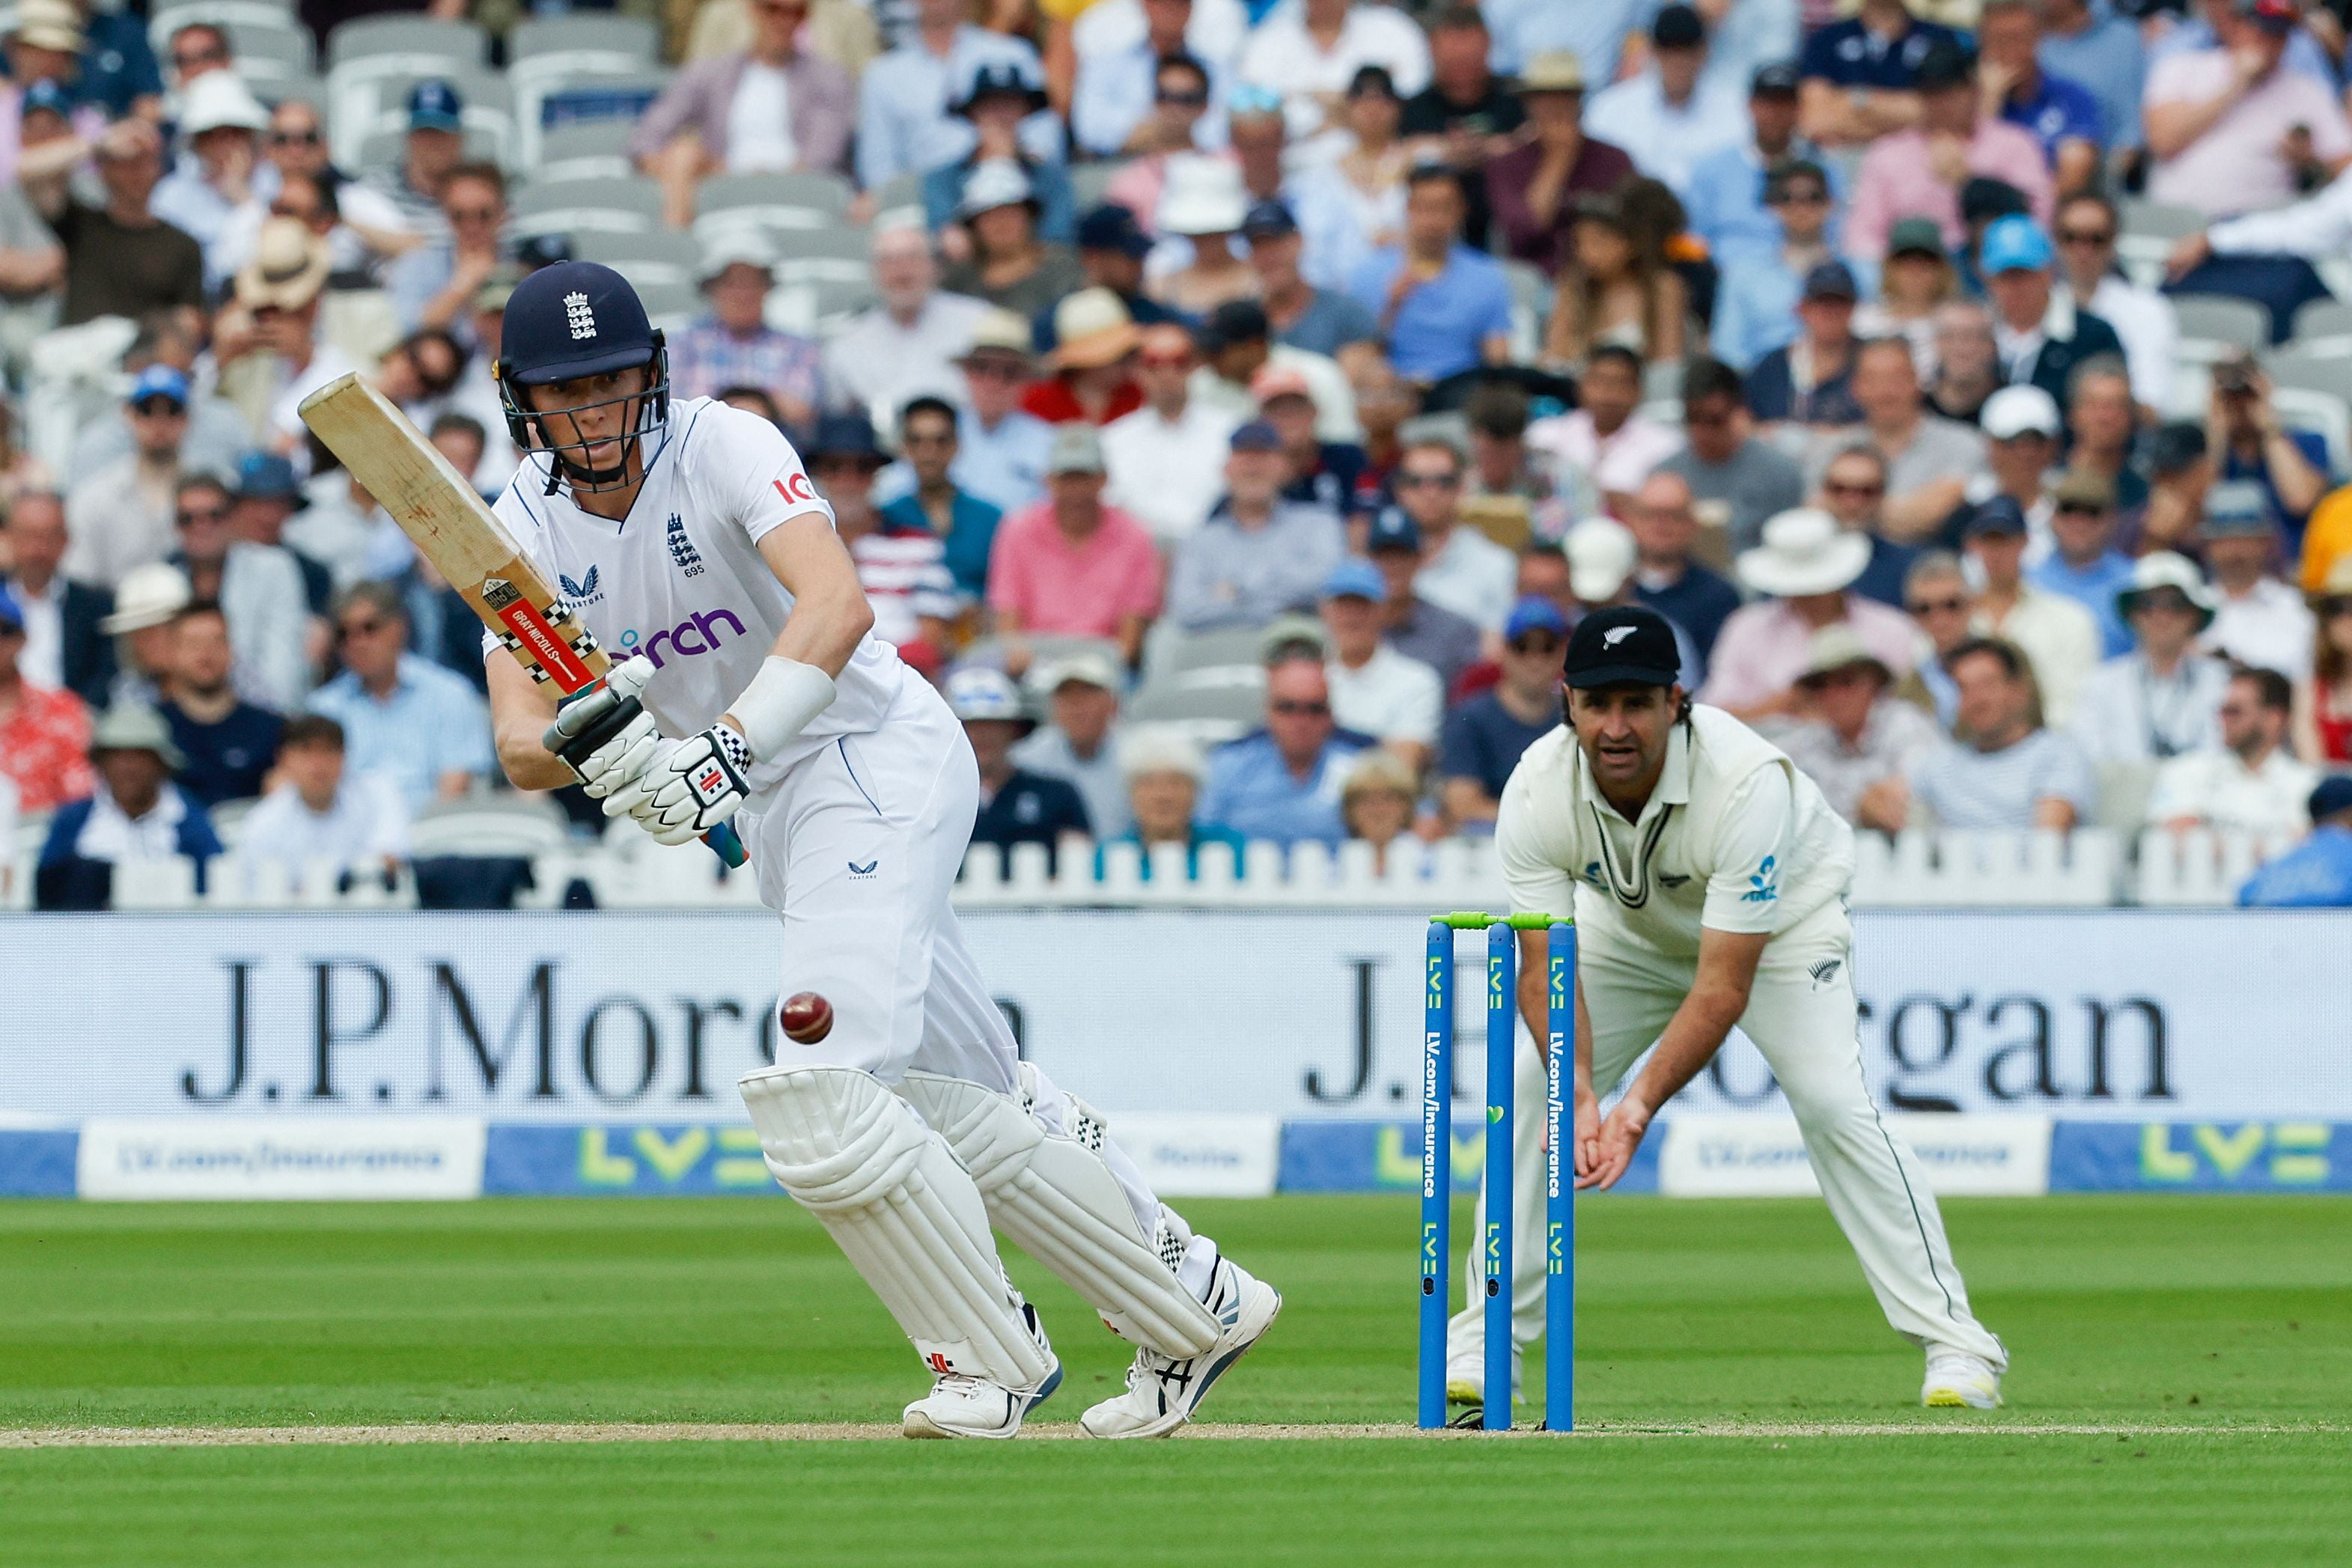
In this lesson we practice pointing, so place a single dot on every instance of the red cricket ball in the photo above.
(807, 1017)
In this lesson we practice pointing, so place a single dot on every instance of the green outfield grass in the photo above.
(2212, 1337)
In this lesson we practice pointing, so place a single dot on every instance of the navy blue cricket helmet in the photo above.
(567, 322)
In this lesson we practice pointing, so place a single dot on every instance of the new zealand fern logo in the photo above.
(581, 594)
(682, 553)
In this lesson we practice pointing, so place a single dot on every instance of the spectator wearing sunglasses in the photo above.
(1854, 491)
(363, 226)
(1283, 783)
(209, 194)
(1460, 569)
(1167, 459)
(2083, 563)
(258, 589)
(2089, 279)
(403, 716)
(1127, 101)
(435, 284)
(1764, 283)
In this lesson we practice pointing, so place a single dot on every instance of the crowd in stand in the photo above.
(1370, 345)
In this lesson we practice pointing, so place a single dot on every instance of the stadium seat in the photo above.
(606, 206)
(2324, 414)
(2297, 365)
(2323, 328)
(590, 149)
(2124, 789)
(626, 40)
(490, 825)
(381, 151)
(898, 202)
(775, 204)
(1043, 650)
(663, 247)
(1161, 702)
(168, 882)
(669, 302)
(2213, 325)
(625, 76)
(1175, 652)
(458, 43)
(2147, 233)
(363, 101)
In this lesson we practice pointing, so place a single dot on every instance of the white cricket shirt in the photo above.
(1734, 837)
(681, 579)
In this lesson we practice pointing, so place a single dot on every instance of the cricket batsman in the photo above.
(1708, 879)
(750, 695)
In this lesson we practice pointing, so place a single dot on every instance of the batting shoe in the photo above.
(963, 1406)
(1957, 1380)
(1162, 1392)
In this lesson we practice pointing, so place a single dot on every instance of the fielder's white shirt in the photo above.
(1733, 838)
(681, 579)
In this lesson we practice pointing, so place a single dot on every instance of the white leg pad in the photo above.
(1053, 1194)
(903, 1211)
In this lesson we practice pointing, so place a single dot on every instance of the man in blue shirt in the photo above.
(1725, 199)
(1858, 73)
(1002, 447)
(2085, 41)
(1446, 307)
(2062, 115)
(2318, 873)
(2086, 567)
(904, 123)
(406, 717)
(1485, 736)
(927, 435)
(1282, 783)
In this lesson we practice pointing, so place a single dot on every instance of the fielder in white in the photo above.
(752, 695)
(1708, 878)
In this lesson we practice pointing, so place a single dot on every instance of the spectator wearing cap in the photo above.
(1309, 54)
(1726, 192)
(1093, 362)
(938, 505)
(1163, 769)
(1810, 381)
(1460, 569)
(135, 813)
(1325, 473)
(2091, 44)
(995, 102)
(1467, 115)
(227, 743)
(1914, 281)
(1165, 459)
(1257, 554)
(905, 123)
(1444, 307)
(431, 146)
(60, 616)
(1079, 742)
(2163, 697)
(1002, 448)
(264, 498)
(1112, 248)
(1765, 285)
(2083, 563)
(770, 107)
(1120, 103)
(1425, 633)
(1849, 731)
(1665, 577)
(1237, 342)
(1920, 172)
(145, 602)
(2235, 128)
(1860, 73)
(1732, 473)
(1299, 314)
(2058, 636)
(1485, 736)
(2251, 442)
(2318, 873)
(405, 716)
(44, 729)
(2103, 430)
(2004, 772)
(731, 344)
(2250, 782)
(120, 259)
(1353, 203)
(1011, 266)
(2060, 114)
(2258, 620)
(1603, 441)
(903, 569)
(320, 811)
(1201, 204)
(2040, 335)
(2090, 279)
(210, 196)
(1071, 566)
(1930, 460)
(1016, 806)
(1282, 783)
(1854, 491)
(909, 343)
(1670, 114)
(120, 516)
(1394, 698)
(1533, 189)
(2021, 441)
(258, 587)
(1804, 572)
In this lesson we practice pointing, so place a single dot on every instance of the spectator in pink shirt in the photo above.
(2230, 130)
(1918, 172)
(1070, 566)
(1805, 569)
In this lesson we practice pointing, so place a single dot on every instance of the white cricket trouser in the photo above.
(856, 847)
(1805, 1026)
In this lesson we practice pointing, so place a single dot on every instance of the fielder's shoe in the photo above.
(1163, 1392)
(1465, 1380)
(1958, 1380)
(962, 1407)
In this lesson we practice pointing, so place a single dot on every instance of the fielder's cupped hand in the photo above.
(1604, 1149)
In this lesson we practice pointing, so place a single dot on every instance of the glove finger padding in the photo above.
(603, 733)
(696, 785)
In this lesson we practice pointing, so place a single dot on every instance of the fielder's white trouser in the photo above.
(1804, 1023)
(857, 847)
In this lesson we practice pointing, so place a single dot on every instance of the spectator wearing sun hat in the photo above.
(135, 813)
(1804, 571)
(731, 344)
(1013, 265)
(2163, 698)
(1202, 202)
(994, 101)
(1093, 362)
(1851, 732)
(210, 196)
(906, 99)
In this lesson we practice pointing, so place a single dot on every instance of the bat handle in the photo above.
(728, 845)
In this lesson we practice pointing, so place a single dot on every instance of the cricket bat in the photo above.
(454, 528)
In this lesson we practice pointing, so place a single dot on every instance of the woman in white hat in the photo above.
(1804, 569)
(1011, 266)
(1163, 767)
(1203, 200)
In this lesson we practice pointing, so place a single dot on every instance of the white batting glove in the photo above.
(604, 734)
(692, 785)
